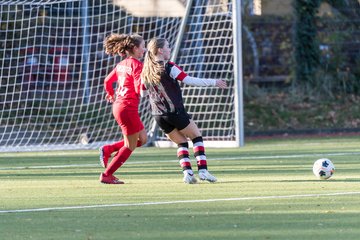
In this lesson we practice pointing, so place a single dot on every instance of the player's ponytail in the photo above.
(152, 70)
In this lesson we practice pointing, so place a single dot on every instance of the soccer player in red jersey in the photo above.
(160, 79)
(126, 103)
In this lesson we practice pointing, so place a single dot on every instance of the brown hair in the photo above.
(121, 44)
(152, 70)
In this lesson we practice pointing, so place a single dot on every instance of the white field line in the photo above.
(211, 159)
(177, 202)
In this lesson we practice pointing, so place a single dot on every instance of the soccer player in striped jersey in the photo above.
(126, 103)
(160, 79)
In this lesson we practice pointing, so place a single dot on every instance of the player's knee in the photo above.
(143, 139)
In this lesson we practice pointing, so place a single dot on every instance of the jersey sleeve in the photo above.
(108, 83)
(177, 73)
(201, 82)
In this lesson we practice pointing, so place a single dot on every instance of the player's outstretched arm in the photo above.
(193, 81)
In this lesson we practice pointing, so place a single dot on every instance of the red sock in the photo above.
(120, 158)
(114, 147)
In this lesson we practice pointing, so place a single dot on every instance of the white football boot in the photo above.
(189, 177)
(205, 175)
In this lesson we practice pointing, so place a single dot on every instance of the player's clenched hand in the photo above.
(109, 98)
(221, 84)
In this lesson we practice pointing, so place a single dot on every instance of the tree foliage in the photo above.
(310, 69)
(306, 45)
(348, 8)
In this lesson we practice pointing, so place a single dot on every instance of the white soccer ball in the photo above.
(323, 168)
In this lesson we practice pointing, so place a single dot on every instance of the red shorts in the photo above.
(128, 119)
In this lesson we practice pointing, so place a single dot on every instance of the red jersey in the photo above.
(127, 75)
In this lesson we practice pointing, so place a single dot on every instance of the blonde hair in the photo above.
(152, 70)
(121, 44)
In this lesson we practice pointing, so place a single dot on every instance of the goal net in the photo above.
(52, 67)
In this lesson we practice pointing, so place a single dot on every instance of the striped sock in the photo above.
(183, 156)
(199, 152)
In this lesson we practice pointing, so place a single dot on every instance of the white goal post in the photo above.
(52, 67)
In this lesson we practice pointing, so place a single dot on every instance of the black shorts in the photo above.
(179, 120)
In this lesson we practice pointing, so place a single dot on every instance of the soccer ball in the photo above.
(323, 168)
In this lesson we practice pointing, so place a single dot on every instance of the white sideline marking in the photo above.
(211, 159)
(175, 202)
(51, 166)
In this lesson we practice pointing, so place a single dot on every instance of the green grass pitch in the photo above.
(265, 190)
